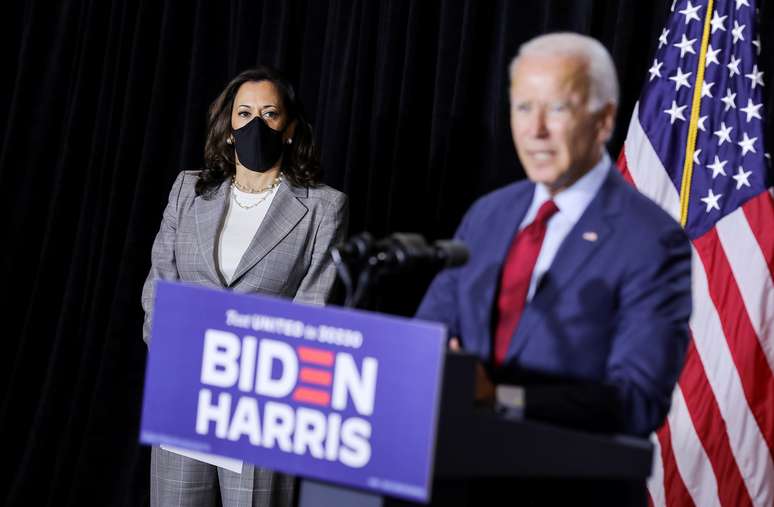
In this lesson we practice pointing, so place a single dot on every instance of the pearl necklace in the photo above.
(267, 190)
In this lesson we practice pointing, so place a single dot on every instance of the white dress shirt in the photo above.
(240, 227)
(572, 202)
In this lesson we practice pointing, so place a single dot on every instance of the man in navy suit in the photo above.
(575, 280)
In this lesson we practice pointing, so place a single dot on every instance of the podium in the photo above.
(477, 443)
(352, 399)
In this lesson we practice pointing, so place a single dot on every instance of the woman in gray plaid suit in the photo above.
(254, 220)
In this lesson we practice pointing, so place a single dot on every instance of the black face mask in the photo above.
(258, 146)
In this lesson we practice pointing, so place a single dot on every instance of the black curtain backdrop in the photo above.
(104, 102)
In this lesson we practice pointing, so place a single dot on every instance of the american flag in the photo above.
(695, 146)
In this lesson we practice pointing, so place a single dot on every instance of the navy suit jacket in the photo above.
(613, 308)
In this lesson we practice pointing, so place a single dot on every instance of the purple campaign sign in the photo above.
(345, 396)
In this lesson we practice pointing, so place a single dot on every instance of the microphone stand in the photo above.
(355, 292)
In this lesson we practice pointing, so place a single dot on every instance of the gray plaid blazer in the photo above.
(288, 256)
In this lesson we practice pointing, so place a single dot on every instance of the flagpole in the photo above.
(685, 187)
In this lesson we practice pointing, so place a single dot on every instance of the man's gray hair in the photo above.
(603, 80)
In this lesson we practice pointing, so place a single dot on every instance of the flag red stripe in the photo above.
(624, 167)
(748, 357)
(711, 430)
(675, 491)
(759, 211)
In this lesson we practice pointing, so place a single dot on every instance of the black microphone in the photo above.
(398, 252)
(403, 250)
(451, 252)
(356, 248)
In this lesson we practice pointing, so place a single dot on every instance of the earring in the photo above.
(230, 140)
(289, 141)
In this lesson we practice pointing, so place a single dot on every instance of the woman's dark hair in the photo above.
(300, 161)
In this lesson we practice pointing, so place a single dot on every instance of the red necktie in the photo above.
(515, 278)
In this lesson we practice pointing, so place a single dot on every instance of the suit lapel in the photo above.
(285, 212)
(506, 218)
(592, 230)
(209, 216)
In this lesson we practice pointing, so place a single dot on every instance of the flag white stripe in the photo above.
(647, 170)
(697, 474)
(752, 276)
(656, 479)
